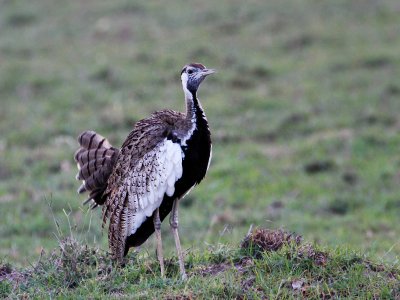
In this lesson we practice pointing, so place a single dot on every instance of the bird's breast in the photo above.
(197, 152)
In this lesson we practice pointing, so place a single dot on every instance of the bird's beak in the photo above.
(207, 72)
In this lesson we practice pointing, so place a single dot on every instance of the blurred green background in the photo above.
(304, 112)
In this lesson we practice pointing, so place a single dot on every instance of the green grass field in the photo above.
(304, 112)
(268, 265)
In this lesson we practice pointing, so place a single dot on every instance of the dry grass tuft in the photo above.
(11, 279)
(265, 240)
(5, 270)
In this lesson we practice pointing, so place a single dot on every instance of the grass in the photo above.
(268, 265)
(303, 112)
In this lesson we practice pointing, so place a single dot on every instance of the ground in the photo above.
(268, 264)
(304, 113)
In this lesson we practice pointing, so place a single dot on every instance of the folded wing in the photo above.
(148, 166)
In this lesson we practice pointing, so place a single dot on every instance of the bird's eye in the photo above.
(190, 71)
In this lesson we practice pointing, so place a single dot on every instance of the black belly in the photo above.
(194, 166)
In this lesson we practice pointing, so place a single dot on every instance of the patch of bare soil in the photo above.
(211, 270)
(180, 297)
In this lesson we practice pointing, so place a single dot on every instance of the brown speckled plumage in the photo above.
(136, 173)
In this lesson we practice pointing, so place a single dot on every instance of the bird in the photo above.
(139, 184)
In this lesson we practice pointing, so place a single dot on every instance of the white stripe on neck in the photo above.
(188, 94)
(190, 109)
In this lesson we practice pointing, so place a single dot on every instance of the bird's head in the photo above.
(192, 75)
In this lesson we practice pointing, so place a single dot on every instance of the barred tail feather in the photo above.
(95, 160)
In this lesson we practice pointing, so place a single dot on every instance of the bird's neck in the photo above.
(195, 118)
(193, 107)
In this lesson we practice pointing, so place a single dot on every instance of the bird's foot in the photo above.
(184, 277)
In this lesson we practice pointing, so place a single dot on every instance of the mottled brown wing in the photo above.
(135, 174)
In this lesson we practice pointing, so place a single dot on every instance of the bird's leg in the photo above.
(157, 228)
(173, 222)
